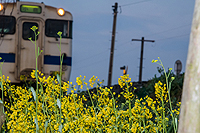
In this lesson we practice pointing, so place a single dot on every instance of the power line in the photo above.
(100, 53)
(169, 30)
(125, 52)
(136, 3)
(173, 37)
(94, 63)
(81, 60)
(99, 61)
(122, 44)
(104, 59)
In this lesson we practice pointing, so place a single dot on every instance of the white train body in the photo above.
(18, 52)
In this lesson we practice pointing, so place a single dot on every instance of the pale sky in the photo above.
(167, 22)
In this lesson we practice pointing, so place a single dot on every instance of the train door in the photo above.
(26, 49)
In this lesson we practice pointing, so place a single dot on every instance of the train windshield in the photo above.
(53, 26)
(7, 24)
(27, 32)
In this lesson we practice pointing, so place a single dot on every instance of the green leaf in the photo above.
(156, 130)
(176, 123)
(36, 73)
(58, 78)
(36, 123)
(0, 58)
(170, 129)
(46, 124)
(62, 57)
(60, 128)
(58, 103)
(33, 92)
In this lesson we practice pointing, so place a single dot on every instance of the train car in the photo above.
(18, 52)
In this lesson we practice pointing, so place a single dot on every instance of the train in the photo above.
(18, 52)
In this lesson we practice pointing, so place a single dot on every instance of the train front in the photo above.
(18, 52)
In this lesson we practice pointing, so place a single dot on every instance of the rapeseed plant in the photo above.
(51, 108)
(145, 115)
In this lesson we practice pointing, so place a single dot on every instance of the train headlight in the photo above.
(1, 7)
(61, 12)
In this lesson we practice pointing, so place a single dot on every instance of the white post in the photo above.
(189, 121)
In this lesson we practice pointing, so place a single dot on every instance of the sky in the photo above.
(167, 22)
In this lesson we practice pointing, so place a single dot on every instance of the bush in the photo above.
(176, 87)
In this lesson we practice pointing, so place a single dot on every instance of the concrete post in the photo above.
(189, 121)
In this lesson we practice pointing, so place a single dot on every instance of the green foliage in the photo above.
(176, 86)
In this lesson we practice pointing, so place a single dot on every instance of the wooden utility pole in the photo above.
(189, 121)
(112, 44)
(141, 55)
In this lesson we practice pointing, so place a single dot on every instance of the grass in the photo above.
(49, 108)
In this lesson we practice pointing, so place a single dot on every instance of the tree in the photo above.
(190, 108)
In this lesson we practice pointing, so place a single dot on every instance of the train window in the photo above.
(27, 32)
(53, 26)
(7, 24)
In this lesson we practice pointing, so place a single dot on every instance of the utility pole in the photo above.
(189, 119)
(112, 44)
(141, 55)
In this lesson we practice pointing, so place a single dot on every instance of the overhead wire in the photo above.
(131, 49)
(169, 30)
(174, 37)
(155, 41)
(135, 3)
(132, 4)
(161, 31)
(86, 58)
(96, 62)
(100, 61)
(91, 64)
(125, 52)
(120, 45)
(104, 59)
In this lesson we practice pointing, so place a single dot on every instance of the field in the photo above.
(48, 107)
